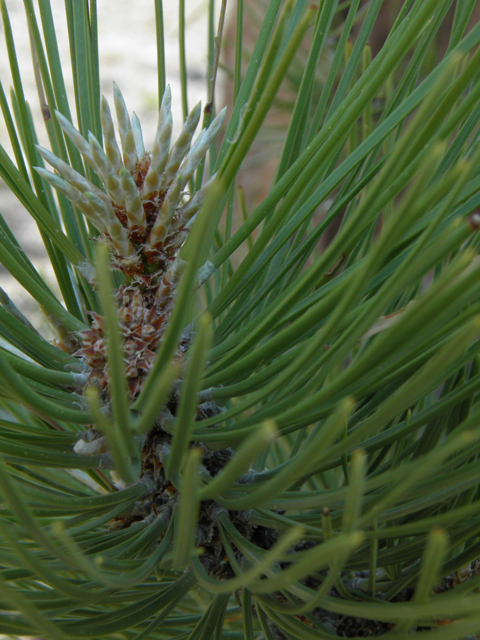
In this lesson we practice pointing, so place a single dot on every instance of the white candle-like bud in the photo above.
(116, 231)
(130, 158)
(75, 178)
(194, 157)
(106, 171)
(76, 197)
(102, 209)
(165, 215)
(138, 135)
(181, 146)
(111, 146)
(161, 145)
(186, 213)
(123, 246)
(200, 146)
(133, 201)
(170, 281)
(141, 210)
(77, 139)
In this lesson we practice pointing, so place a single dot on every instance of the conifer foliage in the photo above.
(247, 426)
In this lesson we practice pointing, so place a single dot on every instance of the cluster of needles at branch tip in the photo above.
(144, 214)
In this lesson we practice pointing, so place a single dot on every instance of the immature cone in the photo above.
(144, 214)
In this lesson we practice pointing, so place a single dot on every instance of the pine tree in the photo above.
(248, 426)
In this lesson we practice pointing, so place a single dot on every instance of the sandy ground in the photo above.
(128, 56)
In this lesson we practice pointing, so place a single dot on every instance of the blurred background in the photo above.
(269, 145)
